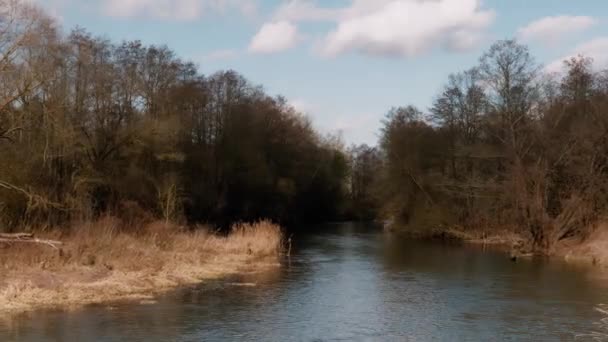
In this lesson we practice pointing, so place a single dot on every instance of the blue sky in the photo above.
(346, 62)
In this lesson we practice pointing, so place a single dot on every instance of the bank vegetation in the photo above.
(110, 260)
(506, 146)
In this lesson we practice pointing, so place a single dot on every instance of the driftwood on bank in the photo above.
(27, 238)
(16, 236)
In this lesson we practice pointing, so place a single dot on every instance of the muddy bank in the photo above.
(99, 263)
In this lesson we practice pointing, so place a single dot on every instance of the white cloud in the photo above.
(596, 48)
(275, 37)
(463, 40)
(174, 9)
(402, 28)
(305, 10)
(407, 28)
(550, 30)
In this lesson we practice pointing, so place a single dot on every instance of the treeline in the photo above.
(89, 127)
(504, 145)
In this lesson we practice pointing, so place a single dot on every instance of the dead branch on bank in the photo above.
(28, 238)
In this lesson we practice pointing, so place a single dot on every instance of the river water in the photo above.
(351, 282)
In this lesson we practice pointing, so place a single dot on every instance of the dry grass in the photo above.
(505, 237)
(593, 249)
(102, 262)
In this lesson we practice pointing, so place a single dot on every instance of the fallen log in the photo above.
(28, 238)
(17, 236)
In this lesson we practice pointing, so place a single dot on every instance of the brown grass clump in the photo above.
(592, 250)
(104, 261)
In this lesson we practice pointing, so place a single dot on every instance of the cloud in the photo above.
(596, 48)
(274, 37)
(355, 125)
(181, 10)
(395, 28)
(407, 28)
(305, 10)
(550, 30)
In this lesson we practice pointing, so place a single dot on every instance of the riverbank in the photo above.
(503, 238)
(592, 249)
(100, 262)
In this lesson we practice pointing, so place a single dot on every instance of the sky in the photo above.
(345, 63)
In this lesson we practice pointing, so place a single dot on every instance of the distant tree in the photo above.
(365, 167)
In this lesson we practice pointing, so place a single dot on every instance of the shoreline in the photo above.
(100, 266)
(131, 267)
(590, 251)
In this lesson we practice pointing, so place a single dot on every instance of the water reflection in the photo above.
(351, 282)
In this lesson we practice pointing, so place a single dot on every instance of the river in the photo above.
(351, 282)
